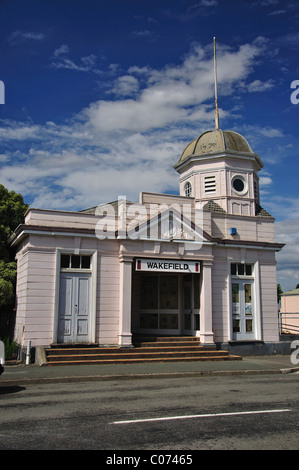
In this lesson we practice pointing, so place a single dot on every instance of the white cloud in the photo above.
(172, 94)
(203, 3)
(284, 207)
(12, 130)
(208, 3)
(275, 154)
(265, 181)
(143, 33)
(259, 86)
(129, 142)
(63, 49)
(277, 12)
(60, 60)
(270, 132)
(126, 85)
(18, 37)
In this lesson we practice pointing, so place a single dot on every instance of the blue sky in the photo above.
(101, 97)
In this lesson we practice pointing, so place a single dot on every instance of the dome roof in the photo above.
(211, 142)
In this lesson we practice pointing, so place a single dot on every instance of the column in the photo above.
(206, 321)
(125, 299)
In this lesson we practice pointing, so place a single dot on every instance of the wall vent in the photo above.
(210, 184)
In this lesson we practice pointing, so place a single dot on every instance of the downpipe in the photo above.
(28, 352)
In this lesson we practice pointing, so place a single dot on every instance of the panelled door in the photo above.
(243, 310)
(74, 308)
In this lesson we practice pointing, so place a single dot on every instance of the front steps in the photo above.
(146, 350)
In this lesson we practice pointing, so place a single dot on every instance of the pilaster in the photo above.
(125, 300)
(206, 320)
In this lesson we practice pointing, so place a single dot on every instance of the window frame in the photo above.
(72, 268)
(188, 189)
(241, 275)
(244, 181)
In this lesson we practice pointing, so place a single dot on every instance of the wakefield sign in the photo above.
(167, 265)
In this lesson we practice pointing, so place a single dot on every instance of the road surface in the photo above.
(184, 414)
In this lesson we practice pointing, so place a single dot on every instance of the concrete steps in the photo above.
(147, 349)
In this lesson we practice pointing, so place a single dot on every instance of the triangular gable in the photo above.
(173, 224)
(157, 222)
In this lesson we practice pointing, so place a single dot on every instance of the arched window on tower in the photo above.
(188, 189)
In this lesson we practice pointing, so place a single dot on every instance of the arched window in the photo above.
(188, 189)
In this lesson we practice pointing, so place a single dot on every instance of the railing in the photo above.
(288, 322)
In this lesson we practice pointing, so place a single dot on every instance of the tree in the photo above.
(12, 210)
(279, 292)
(7, 281)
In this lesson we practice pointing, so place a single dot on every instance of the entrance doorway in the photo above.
(74, 308)
(191, 304)
(243, 310)
(169, 304)
(159, 304)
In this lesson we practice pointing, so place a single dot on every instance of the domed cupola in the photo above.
(221, 166)
(213, 142)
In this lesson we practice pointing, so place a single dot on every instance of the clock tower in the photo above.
(220, 166)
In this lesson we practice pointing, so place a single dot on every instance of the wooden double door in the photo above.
(74, 308)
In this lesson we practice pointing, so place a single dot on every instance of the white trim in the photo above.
(56, 297)
(93, 293)
(257, 300)
(244, 181)
(194, 172)
(229, 298)
(193, 158)
(252, 247)
(26, 231)
(60, 233)
(255, 278)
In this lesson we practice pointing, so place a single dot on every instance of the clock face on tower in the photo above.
(239, 185)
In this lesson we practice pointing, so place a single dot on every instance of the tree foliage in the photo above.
(7, 279)
(12, 210)
(279, 292)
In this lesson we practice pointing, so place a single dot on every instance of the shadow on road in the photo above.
(11, 389)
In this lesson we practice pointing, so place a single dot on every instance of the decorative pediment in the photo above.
(173, 224)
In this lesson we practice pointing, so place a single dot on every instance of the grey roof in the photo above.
(217, 141)
(212, 206)
(114, 204)
(292, 292)
(260, 212)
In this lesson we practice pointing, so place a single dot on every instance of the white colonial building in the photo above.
(201, 263)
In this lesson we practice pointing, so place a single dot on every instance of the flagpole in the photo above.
(216, 94)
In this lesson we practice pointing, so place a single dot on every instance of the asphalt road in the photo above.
(159, 415)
